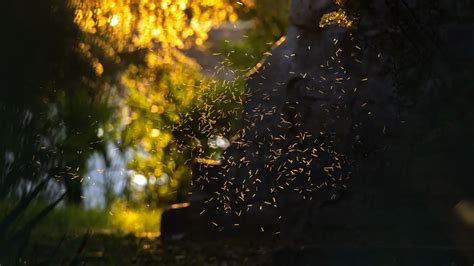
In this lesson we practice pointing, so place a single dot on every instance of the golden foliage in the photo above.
(127, 25)
(338, 17)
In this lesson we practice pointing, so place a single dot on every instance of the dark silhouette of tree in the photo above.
(51, 100)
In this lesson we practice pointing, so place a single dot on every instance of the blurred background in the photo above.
(106, 104)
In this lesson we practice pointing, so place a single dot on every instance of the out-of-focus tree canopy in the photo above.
(115, 70)
(165, 101)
